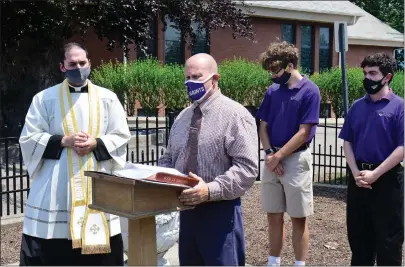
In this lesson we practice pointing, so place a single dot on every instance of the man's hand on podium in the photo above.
(195, 195)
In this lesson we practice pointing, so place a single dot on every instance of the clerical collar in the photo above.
(81, 89)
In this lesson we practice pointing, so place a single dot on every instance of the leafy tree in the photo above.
(388, 11)
(32, 33)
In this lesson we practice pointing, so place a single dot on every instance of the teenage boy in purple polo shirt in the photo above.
(373, 135)
(289, 114)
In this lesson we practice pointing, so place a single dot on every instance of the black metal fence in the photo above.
(328, 160)
(329, 163)
(150, 136)
(149, 141)
(15, 182)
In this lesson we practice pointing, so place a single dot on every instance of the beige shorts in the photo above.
(292, 192)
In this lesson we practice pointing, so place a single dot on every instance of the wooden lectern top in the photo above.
(134, 198)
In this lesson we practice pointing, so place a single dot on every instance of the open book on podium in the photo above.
(139, 190)
(156, 174)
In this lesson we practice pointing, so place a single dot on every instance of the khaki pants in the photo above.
(292, 192)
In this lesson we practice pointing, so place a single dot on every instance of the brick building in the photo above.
(307, 24)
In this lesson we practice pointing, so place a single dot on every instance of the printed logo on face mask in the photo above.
(196, 90)
(372, 87)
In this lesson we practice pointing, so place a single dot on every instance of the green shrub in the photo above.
(113, 76)
(138, 80)
(244, 81)
(330, 85)
(397, 83)
(146, 82)
(174, 93)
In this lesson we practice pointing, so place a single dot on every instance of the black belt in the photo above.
(371, 166)
(301, 148)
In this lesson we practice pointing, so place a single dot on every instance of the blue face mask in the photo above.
(196, 89)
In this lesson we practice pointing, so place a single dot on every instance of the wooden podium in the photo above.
(139, 201)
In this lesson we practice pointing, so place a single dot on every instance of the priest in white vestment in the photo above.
(71, 127)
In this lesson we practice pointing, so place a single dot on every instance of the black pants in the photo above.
(37, 251)
(375, 220)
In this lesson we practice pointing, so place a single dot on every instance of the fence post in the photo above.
(127, 146)
(171, 119)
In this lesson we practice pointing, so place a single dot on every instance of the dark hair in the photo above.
(67, 47)
(384, 62)
(278, 55)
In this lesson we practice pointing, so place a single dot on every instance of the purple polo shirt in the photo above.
(375, 129)
(285, 109)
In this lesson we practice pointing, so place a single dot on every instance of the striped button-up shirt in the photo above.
(227, 146)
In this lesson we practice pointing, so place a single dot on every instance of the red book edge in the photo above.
(173, 179)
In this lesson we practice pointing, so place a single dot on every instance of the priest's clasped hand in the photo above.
(81, 142)
(195, 195)
(83, 148)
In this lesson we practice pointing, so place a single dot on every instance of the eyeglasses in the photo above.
(277, 72)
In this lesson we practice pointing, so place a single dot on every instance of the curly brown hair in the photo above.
(278, 55)
(384, 62)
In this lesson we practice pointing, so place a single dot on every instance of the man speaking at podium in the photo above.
(70, 128)
(214, 140)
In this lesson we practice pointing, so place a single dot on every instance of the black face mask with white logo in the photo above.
(372, 87)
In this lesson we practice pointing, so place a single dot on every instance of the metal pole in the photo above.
(342, 46)
(2, 93)
(124, 56)
(1, 42)
(125, 96)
